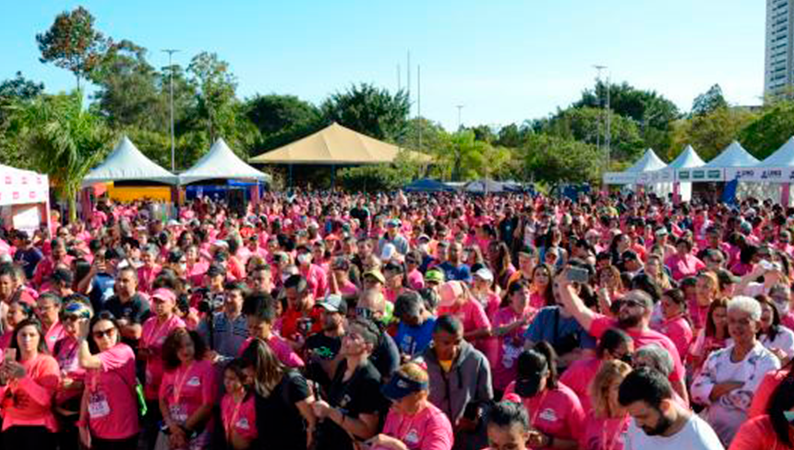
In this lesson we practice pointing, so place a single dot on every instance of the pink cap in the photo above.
(164, 294)
(449, 293)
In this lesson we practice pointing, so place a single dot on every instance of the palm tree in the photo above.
(63, 141)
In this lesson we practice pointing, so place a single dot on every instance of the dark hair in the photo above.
(611, 340)
(781, 401)
(42, 348)
(448, 324)
(103, 315)
(506, 414)
(260, 305)
(645, 283)
(647, 385)
(405, 302)
(545, 349)
(430, 297)
(711, 328)
(172, 343)
(298, 282)
(369, 331)
(774, 328)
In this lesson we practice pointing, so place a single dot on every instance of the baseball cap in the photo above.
(394, 223)
(375, 274)
(435, 276)
(449, 293)
(164, 294)
(401, 386)
(484, 274)
(388, 252)
(726, 277)
(334, 303)
(531, 367)
(638, 297)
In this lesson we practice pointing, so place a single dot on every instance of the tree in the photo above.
(63, 140)
(710, 133)
(646, 108)
(709, 101)
(424, 136)
(281, 119)
(553, 159)
(216, 91)
(369, 110)
(72, 43)
(767, 133)
(381, 177)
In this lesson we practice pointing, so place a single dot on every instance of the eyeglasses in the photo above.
(99, 334)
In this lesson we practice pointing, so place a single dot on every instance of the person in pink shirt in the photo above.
(260, 314)
(394, 272)
(47, 265)
(413, 260)
(187, 393)
(482, 291)
(17, 312)
(29, 378)
(148, 271)
(238, 413)
(509, 325)
(48, 309)
(676, 323)
(555, 413)
(315, 276)
(607, 422)
(412, 422)
(150, 347)
(684, 264)
(456, 300)
(109, 406)
(339, 279)
(541, 288)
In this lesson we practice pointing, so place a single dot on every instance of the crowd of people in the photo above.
(325, 320)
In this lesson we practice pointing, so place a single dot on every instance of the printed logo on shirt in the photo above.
(243, 424)
(412, 437)
(548, 415)
(195, 381)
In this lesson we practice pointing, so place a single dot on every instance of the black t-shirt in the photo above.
(278, 421)
(320, 347)
(135, 311)
(386, 356)
(358, 395)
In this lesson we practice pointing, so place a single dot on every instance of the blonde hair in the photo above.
(608, 373)
(414, 372)
(268, 370)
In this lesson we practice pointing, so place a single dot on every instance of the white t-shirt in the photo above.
(783, 341)
(695, 435)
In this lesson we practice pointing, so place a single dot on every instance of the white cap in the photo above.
(484, 274)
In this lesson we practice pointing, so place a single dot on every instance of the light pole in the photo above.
(608, 130)
(460, 108)
(171, 52)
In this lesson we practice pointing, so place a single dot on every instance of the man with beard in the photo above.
(322, 349)
(634, 312)
(659, 421)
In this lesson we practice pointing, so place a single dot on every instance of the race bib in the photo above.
(510, 354)
(195, 381)
(98, 405)
(178, 413)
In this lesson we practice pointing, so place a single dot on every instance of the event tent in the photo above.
(725, 167)
(24, 198)
(770, 178)
(127, 163)
(490, 187)
(221, 163)
(665, 179)
(427, 185)
(648, 163)
(336, 145)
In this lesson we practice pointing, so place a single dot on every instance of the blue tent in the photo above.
(427, 185)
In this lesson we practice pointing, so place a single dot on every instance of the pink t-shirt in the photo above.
(280, 348)
(54, 334)
(604, 434)
(472, 316)
(641, 338)
(509, 346)
(239, 417)
(33, 395)
(578, 377)
(153, 337)
(186, 389)
(684, 267)
(5, 339)
(679, 331)
(146, 276)
(67, 357)
(757, 434)
(429, 429)
(113, 405)
(537, 300)
(556, 412)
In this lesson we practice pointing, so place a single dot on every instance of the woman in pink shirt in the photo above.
(29, 379)
(17, 312)
(541, 289)
(412, 422)
(481, 290)
(509, 325)
(713, 336)
(676, 323)
(153, 335)
(684, 264)
(604, 428)
(238, 413)
(456, 300)
(187, 393)
(109, 408)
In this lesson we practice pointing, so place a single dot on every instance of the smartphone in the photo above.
(766, 264)
(577, 275)
(10, 354)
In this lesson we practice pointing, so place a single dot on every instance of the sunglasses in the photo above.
(99, 334)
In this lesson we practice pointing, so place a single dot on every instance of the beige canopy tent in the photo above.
(336, 145)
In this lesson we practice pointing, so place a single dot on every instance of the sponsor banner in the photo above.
(22, 188)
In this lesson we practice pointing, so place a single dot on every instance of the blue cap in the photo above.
(401, 386)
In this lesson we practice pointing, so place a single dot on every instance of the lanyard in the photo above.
(155, 332)
(179, 383)
(235, 413)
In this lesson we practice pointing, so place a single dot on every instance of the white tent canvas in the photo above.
(127, 163)
(221, 163)
(725, 167)
(648, 163)
(776, 168)
(663, 180)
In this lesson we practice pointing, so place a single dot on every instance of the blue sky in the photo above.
(505, 61)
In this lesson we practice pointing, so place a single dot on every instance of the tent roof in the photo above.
(733, 156)
(127, 163)
(428, 185)
(687, 159)
(335, 144)
(647, 163)
(783, 157)
(220, 162)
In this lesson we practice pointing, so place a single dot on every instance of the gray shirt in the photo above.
(227, 335)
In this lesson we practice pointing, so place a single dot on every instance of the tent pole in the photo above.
(785, 194)
(333, 176)
(289, 185)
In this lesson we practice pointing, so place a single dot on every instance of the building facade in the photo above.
(779, 59)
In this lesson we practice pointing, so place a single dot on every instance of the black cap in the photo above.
(62, 275)
(532, 367)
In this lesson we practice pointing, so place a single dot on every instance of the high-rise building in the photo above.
(779, 61)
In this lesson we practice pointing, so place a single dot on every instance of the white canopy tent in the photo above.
(725, 167)
(127, 163)
(770, 178)
(24, 199)
(666, 180)
(647, 164)
(221, 163)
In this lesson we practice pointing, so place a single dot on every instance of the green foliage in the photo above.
(281, 119)
(551, 159)
(425, 136)
(646, 108)
(369, 110)
(709, 101)
(72, 43)
(765, 135)
(20, 88)
(381, 177)
(216, 92)
(63, 140)
(710, 133)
